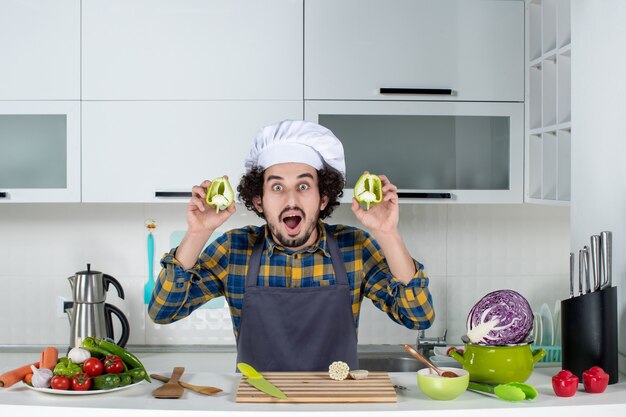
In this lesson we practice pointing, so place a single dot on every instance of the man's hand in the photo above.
(202, 218)
(380, 219)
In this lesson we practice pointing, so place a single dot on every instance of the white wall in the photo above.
(468, 250)
(599, 134)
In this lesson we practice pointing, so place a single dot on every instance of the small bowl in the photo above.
(442, 388)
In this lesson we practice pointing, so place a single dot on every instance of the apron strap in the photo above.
(341, 276)
(255, 261)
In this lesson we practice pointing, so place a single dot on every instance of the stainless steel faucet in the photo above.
(425, 345)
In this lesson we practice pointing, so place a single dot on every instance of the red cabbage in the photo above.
(502, 317)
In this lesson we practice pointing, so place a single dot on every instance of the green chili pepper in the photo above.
(66, 367)
(368, 189)
(220, 194)
(93, 346)
(106, 381)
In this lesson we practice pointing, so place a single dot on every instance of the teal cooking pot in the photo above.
(498, 364)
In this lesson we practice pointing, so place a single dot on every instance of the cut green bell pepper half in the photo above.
(66, 367)
(220, 194)
(368, 189)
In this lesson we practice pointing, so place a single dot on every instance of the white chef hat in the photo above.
(296, 141)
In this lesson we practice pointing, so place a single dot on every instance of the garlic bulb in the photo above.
(338, 370)
(41, 377)
(78, 355)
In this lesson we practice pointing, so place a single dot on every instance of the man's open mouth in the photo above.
(292, 222)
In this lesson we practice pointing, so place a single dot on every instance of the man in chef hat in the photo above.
(294, 285)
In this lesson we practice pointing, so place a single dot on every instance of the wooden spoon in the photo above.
(206, 390)
(420, 357)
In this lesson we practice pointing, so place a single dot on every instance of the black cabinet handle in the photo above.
(428, 91)
(172, 194)
(424, 195)
(3, 194)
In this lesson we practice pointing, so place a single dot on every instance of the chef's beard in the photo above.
(295, 242)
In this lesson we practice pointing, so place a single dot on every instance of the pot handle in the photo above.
(458, 356)
(538, 355)
(109, 311)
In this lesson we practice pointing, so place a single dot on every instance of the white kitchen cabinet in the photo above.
(39, 151)
(192, 50)
(475, 49)
(548, 102)
(434, 152)
(143, 151)
(40, 50)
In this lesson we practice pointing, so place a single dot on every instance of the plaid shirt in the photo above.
(221, 270)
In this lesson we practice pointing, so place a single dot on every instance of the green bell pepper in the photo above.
(220, 194)
(368, 189)
(65, 367)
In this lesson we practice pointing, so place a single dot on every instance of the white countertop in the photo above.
(138, 401)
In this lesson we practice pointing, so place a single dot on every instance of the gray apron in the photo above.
(297, 329)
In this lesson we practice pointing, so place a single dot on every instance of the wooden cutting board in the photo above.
(317, 387)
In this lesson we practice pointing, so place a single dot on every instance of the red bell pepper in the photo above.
(595, 380)
(565, 383)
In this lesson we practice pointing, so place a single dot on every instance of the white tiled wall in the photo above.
(467, 250)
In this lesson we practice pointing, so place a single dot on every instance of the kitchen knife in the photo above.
(606, 255)
(586, 267)
(581, 270)
(571, 275)
(257, 381)
(595, 261)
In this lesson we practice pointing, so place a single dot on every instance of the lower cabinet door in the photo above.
(142, 152)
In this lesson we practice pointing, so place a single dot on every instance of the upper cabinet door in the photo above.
(155, 151)
(192, 49)
(355, 48)
(40, 50)
(39, 151)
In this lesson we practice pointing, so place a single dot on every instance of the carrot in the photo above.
(15, 375)
(49, 358)
(28, 379)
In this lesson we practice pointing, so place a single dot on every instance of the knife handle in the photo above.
(595, 261)
(586, 268)
(581, 270)
(606, 257)
(571, 274)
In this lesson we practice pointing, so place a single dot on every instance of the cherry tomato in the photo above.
(595, 380)
(93, 366)
(113, 365)
(81, 382)
(60, 382)
(565, 383)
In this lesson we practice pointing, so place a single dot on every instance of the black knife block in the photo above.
(589, 333)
